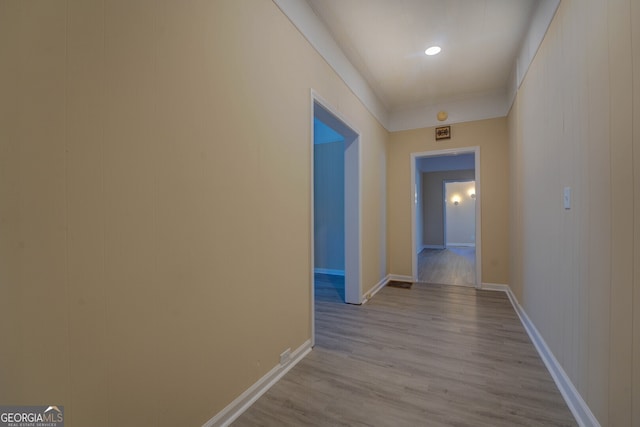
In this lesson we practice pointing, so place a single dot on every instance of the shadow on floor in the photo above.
(329, 288)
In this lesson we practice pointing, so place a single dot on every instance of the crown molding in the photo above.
(461, 109)
(311, 27)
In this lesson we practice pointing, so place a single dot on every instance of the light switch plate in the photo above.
(567, 198)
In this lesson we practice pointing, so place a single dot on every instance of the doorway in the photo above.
(335, 180)
(459, 213)
(452, 254)
(455, 263)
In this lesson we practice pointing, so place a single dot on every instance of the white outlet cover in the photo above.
(567, 198)
(285, 356)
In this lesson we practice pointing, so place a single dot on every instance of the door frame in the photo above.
(353, 202)
(475, 150)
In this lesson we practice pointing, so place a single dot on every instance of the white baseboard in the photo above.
(328, 271)
(399, 278)
(572, 397)
(381, 284)
(464, 245)
(233, 410)
(495, 287)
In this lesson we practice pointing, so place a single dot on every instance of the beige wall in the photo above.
(576, 122)
(491, 137)
(139, 283)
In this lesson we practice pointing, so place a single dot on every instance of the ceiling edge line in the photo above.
(315, 32)
(531, 42)
(309, 25)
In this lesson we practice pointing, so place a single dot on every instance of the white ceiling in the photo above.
(385, 41)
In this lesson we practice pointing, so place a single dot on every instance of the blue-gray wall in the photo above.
(329, 205)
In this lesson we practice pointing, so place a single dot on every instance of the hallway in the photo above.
(450, 266)
(432, 355)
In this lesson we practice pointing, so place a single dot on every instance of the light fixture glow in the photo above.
(433, 50)
(472, 193)
(456, 200)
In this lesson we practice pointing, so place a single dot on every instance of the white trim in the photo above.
(381, 284)
(233, 410)
(311, 27)
(414, 243)
(572, 397)
(540, 22)
(414, 219)
(312, 237)
(576, 404)
(478, 177)
(328, 271)
(353, 212)
(495, 287)
(400, 278)
(463, 245)
(469, 108)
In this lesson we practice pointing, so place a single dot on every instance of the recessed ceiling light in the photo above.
(433, 50)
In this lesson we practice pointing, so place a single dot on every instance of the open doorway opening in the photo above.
(328, 212)
(335, 209)
(455, 263)
(460, 213)
(446, 217)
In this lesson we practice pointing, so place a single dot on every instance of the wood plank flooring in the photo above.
(432, 355)
(451, 266)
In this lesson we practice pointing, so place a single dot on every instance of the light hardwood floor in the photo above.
(451, 266)
(433, 355)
